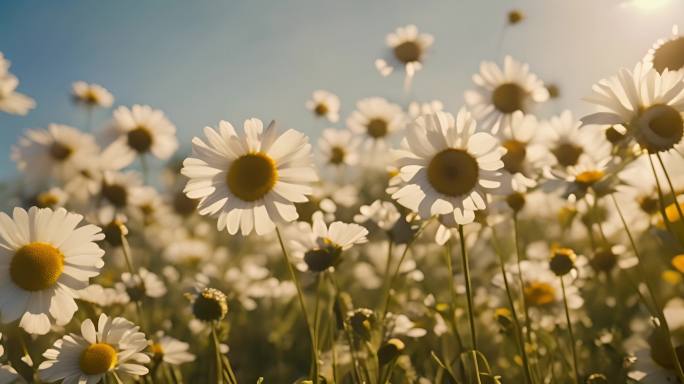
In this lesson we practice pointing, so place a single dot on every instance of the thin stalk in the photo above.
(452, 294)
(350, 340)
(469, 294)
(116, 378)
(218, 362)
(127, 253)
(672, 189)
(571, 333)
(145, 169)
(514, 313)
(317, 317)
(661, 201)
(302, 304)
(651, 292)
(518, 256)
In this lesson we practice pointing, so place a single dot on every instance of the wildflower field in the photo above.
(406, 241)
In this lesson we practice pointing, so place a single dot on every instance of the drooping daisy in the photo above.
(114, 347)
(324, 104)
(338, 147)
(54, 153)
(249, 181)
(142, 284)
(320, 246)
(667, 53)
(144, 129)
(46, 260)
(448, 168)
(409, 48)
(169, 350)
(11, 101)
(91, 95)
(376, 119)
(501, 92)
(649, 104)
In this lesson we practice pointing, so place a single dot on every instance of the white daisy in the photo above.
(338, 147)
(144, 129)
(249, 181)
(568, 145)
(502, 92)
(101, 296)
(416, 109)
(376, 119)
(324, 104)
(51, 198)
(46, 260)
(383, 213)
(117, 188)
(114, 347)
(190, 251)
(169, 350)
(142, 284)
(53, 153)
(321, 246)
(11, 101)
(91, 95)
(409, 48)
(649, 104)
(667, 53)
(525, 154)
(448, 168)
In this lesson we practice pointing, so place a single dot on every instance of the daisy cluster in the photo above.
(417, 242)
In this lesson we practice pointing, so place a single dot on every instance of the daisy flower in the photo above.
(568, 145)
(11, 101)
(118, 187)
(91, 95)
(524, 153)
(338, 147)
(321, 246)
(103, 297)
(114, 347)
(448, 168)
(416, 109)
(249, 181)
(169, 350)
(46, 260)
(376, 119)
(667, 53)
(142, 284)
(53, 153)
(384, 214)
(324, 104)
(409, 48)
(51, 198)
(649, 104)
(500, 92)
(145, 130)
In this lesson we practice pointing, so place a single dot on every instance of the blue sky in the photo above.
(202, 61)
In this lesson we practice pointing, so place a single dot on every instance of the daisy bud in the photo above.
(390, 351)
(562, 261)
(319, 260)
(604, 260)
(210, 305)
(614, 136)
(504, 317)
(515, 17)
(516, 201)
(113, 232)
(362, 321)
(554, 91)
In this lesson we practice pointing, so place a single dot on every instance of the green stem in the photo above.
(661, 201)
(218, 362)
(571, 333)
(469, 294)
(302, 304)
(672, 189)
(518, 256)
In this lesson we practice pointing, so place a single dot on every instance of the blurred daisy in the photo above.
(101, 296)
(376, 119)
(448, 168)
(118, 187)
(52, 198)
(667, 53)
(649, 104)
(249, 181)
(11, 101)
(524, 153)
(501, 92)
(416, 109)
(321, 246)
(568, 145)
(114, 347)
(53, 153)
(46, 260)
(401, 325)
(409, 48)
(187, 251)
(169, 350)
(142, 284)
(325, 104)
(91, 95)
(338, 147)
(148, 207)
(384, 214)
(144, 129)
(598, 175)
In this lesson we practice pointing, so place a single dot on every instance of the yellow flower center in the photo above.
(408, 52)
(36, 266)
(90, 97)
(539, 293)
(453, 172)
(337, 155)
(562, 261)
(140, 139)
(46, 199)
(669, 55)
(515, 16)
(377, 128)
(97, 359)
(508, 98)
(672, 212)
(60, 152)
(157, 351)
(115, 194)
(514, 159)
(588, 178)
(567, 154)
(321, 109)
(251, 176)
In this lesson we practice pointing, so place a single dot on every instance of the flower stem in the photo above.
(672, 189)
(571, 333)
(661, 201)
(302, 304)
(469, 294)
(518, 255)
(218, 362)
